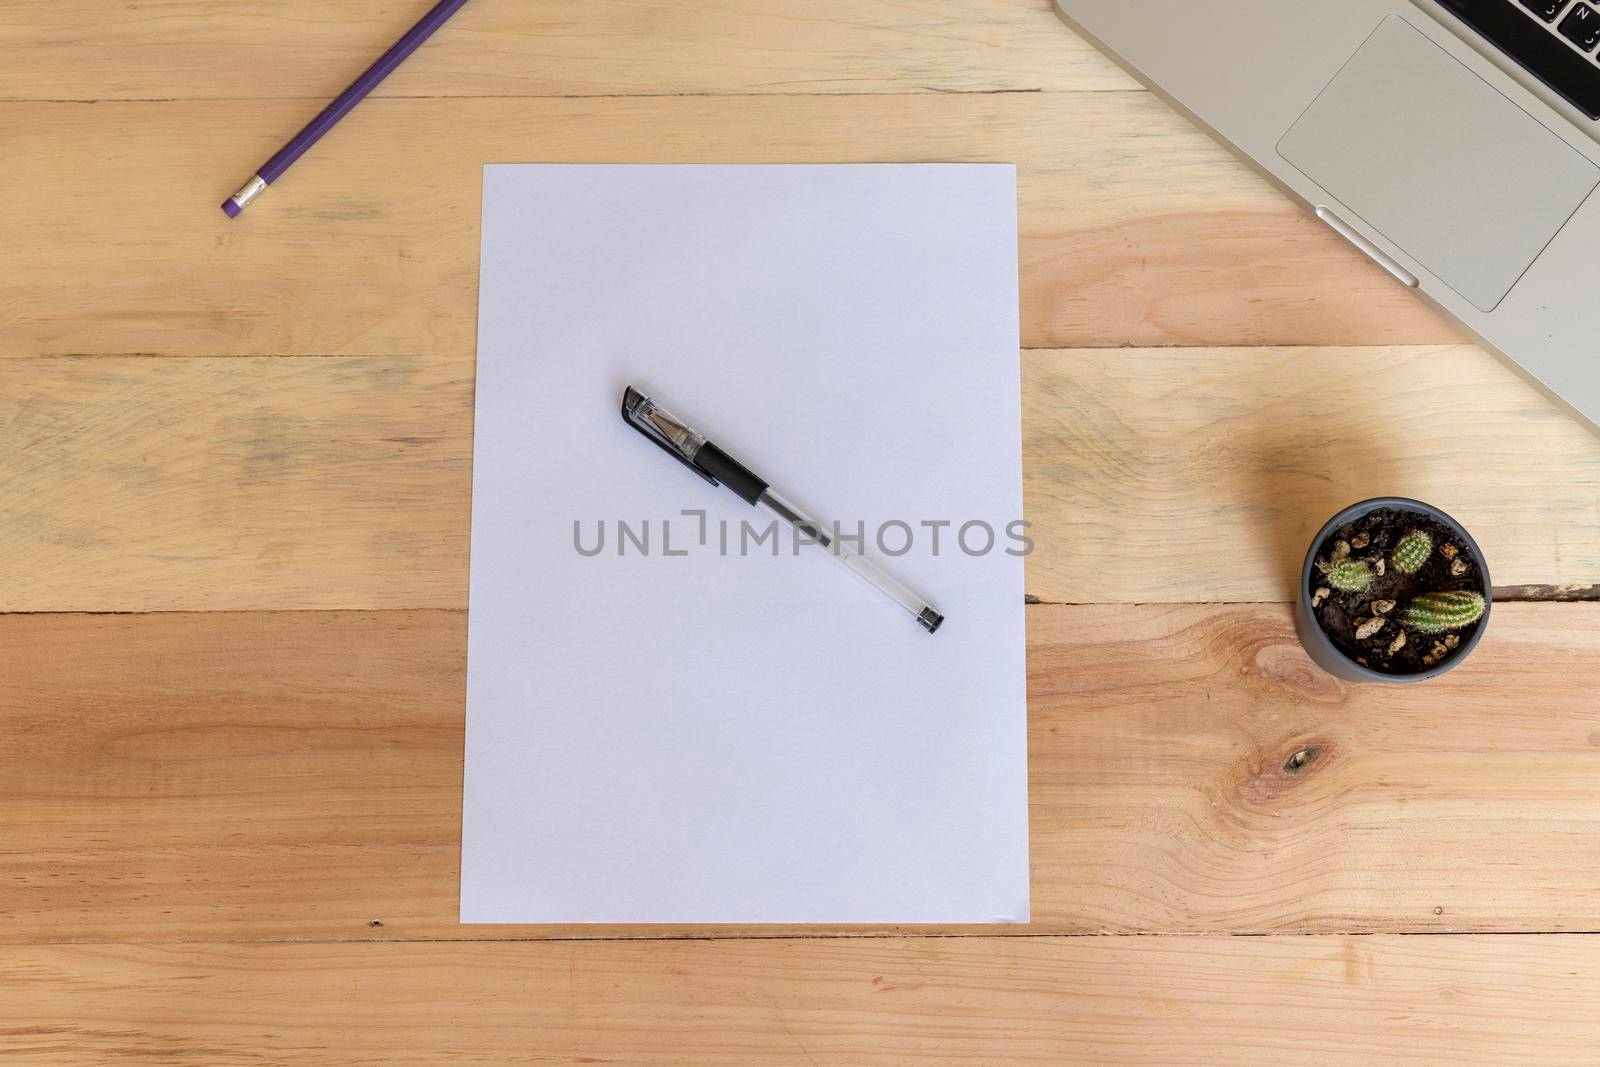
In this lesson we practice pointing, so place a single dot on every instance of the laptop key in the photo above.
(1540, 52)
(1545, 9)
(1582, 27)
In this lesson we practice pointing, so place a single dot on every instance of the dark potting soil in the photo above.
(1340, 611)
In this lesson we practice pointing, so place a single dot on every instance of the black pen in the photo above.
(717, 467)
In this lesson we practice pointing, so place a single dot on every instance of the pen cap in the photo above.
(665, 431)
(689, 447)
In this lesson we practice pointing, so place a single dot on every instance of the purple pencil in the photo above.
(341, 106)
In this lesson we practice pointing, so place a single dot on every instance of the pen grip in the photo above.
(730, 472)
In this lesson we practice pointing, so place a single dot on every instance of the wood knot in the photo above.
(1300, 759)
(1265, 652)
(1271, 778)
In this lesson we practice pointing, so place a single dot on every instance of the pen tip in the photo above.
(230, 208)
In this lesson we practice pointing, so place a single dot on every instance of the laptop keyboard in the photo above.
(1554, 40)
(1582, 27)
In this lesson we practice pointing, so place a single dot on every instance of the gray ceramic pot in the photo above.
(1322, 649)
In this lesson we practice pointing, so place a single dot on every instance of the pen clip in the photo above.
(631, 399)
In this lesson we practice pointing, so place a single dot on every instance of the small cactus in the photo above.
(1412, 552)
(1434, 613)
(1351, 575)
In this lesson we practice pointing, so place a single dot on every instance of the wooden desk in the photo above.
(234, 479)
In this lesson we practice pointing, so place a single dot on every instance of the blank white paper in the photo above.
(741, 738)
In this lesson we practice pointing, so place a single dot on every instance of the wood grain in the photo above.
(310, 49)
(156, 484)
(1402, 1000)
(1135, 228)
(1165, 475)
(298, 776)
(1179, 475)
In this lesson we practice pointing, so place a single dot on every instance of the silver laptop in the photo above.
(1455, 142)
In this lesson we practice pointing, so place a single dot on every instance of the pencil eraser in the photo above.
(230, 208)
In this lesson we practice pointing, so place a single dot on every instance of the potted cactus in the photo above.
(1392, 590)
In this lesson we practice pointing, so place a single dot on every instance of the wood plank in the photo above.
(298, 776)
(1150, 476)
(1135, 228)
(157, 484)
(310, 49)
(1186, 475)
(1327, 1000)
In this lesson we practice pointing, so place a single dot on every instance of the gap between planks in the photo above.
(791, 934)
(920, 91)
(1171, 346)
(1515, 594)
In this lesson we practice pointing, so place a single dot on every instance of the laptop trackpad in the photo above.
(1439, 162)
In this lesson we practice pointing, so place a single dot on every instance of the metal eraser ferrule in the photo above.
(247, 192)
